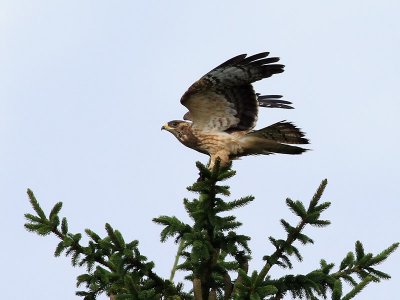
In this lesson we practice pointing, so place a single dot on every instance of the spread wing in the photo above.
(270, 101)
(224, 99)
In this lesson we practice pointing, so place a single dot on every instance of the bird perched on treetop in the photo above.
(223, 109)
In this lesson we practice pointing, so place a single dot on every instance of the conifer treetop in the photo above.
(212, 253)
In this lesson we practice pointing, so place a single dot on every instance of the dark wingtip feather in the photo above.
(268, 60)
(273, 101)
(234, 60)
(268, 96)
(271, 104)
(255, 57)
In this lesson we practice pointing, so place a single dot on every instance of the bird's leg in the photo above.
(223, 158)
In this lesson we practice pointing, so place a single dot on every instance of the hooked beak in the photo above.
(166, 127)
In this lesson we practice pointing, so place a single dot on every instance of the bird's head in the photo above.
(180, 129)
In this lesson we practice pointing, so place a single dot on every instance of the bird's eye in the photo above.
(174, 124)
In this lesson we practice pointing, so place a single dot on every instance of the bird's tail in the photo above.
(274, 139)
(281, 132)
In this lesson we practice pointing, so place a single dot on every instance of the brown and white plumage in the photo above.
(223, 110)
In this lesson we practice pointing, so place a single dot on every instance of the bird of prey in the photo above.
(223, 110)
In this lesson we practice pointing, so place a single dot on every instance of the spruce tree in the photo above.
(214, 257)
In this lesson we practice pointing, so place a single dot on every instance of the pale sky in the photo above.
(85, 87)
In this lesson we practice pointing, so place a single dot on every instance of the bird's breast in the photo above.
(218, 141)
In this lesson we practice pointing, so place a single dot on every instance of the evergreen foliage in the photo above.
(213, 254)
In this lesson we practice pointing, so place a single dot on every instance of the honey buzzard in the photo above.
(223, 109)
